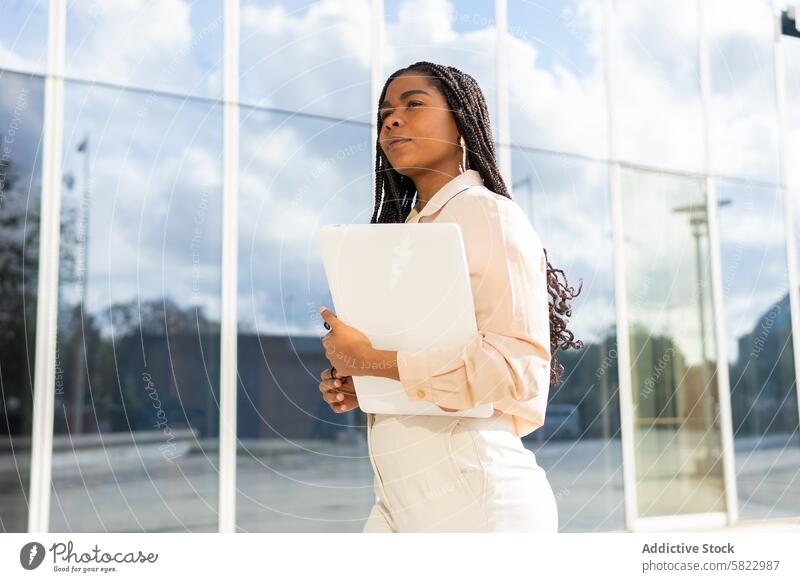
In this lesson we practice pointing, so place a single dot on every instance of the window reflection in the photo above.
(791, 50)
(21, 111)
(742, 105)
(23, 35)
(659, 116)
(137, 411)
(302, 467)
(172, 46)
(307, 56)
(579, 445)
(678, 450)
(760, 353)
(137, 414)
(555, 75)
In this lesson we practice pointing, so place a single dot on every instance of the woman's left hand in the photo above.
(345, 346)
(348, 349)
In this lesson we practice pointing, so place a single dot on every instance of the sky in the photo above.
(156, 162)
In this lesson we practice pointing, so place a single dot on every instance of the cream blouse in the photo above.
(508, 361)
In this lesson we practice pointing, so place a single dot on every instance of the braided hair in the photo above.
(468, 105)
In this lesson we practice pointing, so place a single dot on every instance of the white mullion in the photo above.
(377, 38)
(627, 419)
(229, 322)
(723, 380)
(723, 377)
(786, 191)
(501, 88)
(47, 304)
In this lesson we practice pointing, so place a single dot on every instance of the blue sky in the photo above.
(160, 156)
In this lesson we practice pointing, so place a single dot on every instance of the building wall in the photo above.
(613, 149)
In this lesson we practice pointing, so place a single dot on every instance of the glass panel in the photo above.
(742, 107)
(307, 56)
(23, 35)
(458, 33)
(169, 45)
(21, 112)
(137, 422)
(658, 112)
(579, 445)
(791, 49)
(760, 357)
(557, 96)
(678, 448)
(302, 467)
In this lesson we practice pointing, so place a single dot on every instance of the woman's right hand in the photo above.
(338, 392)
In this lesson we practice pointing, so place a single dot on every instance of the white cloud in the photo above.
(317, 61)
(151, 176)
(320, 60)
(153, 45)
(13, 60)
(427, 22)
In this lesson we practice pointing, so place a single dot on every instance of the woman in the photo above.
(450, 473)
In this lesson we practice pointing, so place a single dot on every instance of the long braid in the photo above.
(394, 193)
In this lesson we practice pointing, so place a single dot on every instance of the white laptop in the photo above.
(405, 286)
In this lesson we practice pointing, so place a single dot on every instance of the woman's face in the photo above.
(417, 112)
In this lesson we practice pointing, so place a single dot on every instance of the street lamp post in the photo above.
(698, 220)
(76, 405)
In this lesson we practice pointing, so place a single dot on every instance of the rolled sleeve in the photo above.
(509, 357)
(488, 368)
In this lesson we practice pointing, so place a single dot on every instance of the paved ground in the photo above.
(788, 525)
(324, 486)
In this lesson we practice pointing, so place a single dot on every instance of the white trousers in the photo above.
(455, 474)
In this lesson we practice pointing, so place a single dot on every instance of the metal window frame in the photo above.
(715, 258)
(49, 242)
(502, 90)
(787, 189)
(228, 435)
(377, 37)
(633, 521)
(49, 245)
(629, 486)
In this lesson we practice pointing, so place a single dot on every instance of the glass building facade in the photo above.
(164, 168)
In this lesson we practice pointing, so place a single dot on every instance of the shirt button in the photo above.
(421, 393)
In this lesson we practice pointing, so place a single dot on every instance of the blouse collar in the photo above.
(457, 184)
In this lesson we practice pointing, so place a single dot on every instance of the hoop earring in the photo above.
(462, 167)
